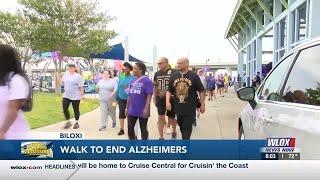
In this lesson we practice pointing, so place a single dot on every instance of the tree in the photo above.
(16, 30)
(73, 28)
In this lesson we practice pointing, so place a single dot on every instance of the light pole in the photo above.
(207, 60)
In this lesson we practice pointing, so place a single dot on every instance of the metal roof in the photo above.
(239, 14)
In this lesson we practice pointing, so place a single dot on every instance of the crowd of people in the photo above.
(173, 91)
(216, 84)
(177, 93)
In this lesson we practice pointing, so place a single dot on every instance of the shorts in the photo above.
(212, 88)
(221, 86)
(122, 108)
(162, 110)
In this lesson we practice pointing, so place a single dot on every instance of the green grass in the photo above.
(47, 109)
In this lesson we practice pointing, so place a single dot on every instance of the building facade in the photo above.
(265, 30)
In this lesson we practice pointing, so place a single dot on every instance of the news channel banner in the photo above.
(73, 157)
(73, 145)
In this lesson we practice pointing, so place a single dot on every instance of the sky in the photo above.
(178, 28)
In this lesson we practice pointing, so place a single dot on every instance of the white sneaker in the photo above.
(169, 130)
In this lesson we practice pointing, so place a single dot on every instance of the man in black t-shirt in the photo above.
(185, 86)
(161, 84)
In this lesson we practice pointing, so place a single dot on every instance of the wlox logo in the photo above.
(281, 142)
(280, 145)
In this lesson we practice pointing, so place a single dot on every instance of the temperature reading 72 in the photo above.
(292, 156)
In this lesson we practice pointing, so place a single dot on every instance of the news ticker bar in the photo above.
(162, 169)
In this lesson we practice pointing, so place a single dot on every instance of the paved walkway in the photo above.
(218, 122)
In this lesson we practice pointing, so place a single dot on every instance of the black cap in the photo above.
(71, 65)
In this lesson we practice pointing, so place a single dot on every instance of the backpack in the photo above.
(28, 105)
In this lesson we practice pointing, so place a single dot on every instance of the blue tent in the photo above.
(116, 53)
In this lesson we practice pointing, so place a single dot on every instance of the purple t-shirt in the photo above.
(139, 90)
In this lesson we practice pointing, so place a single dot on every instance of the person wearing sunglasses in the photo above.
(161, 85)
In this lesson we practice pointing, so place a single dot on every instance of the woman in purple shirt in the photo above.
(138, 103)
